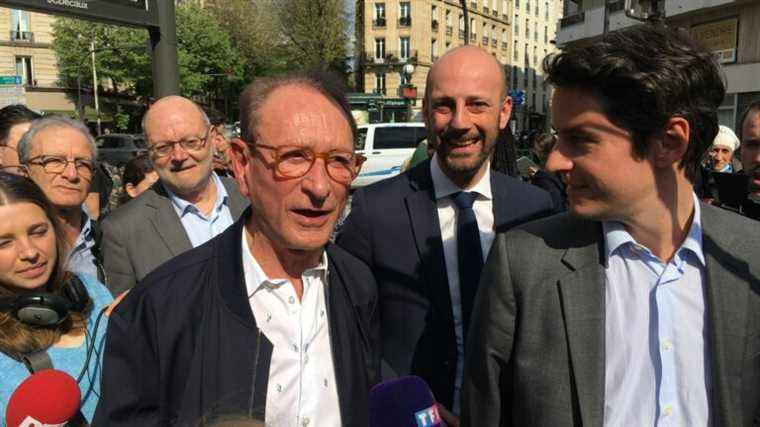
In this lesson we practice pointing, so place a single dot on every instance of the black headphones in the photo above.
(46, 309)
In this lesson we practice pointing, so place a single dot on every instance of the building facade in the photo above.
(397, 42)
(26, 51)
(534, 26)
(728, 27)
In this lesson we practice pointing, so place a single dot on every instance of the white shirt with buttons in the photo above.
(302, 389)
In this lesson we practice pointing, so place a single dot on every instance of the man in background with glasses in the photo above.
(268, 317)
(59, 156)
(187, 206)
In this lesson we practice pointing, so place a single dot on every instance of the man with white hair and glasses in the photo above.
(186, 207)
(59, 153)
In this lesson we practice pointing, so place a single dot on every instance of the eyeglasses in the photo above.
(189, 144)
(16, 170)
(57, 164)
(294, 162)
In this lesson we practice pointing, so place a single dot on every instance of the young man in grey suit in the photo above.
(187, 206)
(641, 306)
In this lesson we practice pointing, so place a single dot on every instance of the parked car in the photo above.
(118, 148)
(386, 146)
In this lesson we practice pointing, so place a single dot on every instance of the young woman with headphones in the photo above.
(45, 311)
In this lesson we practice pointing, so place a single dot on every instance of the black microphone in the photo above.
(402, 402)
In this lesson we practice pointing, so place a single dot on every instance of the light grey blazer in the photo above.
(146, 232)
(536, 351)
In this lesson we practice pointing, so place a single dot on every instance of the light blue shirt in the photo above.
(656, 369)
(68, 359)
(81, 258)
(199, 227)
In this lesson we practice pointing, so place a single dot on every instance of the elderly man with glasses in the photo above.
(267, 318)
(59, 154)
(186, 207)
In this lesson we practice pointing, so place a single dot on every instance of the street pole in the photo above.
(95, 84)
(163, 42)
(466, 18)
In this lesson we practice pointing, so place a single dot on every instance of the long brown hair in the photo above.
(18, 338)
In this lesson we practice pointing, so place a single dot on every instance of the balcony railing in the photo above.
(434, 25)
(379, 22)
(486, 10)
(485, 40)
(449, 30)
(405, 21)
(495, 13)
(22, 36)
(389, 58)
(474, 5)
(503, 45)
(494, 42)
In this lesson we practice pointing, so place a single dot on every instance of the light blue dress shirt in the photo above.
(199, 227)
(656, 358)
(81, 259)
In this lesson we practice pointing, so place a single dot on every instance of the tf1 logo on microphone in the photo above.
(428, 417)
(31, 422)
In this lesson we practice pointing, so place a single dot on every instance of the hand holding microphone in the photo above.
(48, 398)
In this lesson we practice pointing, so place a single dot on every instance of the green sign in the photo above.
(10, 80)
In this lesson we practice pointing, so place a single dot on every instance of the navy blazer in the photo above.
(183, 346)
(393, 227)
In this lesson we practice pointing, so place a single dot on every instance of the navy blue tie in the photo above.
(469, 252)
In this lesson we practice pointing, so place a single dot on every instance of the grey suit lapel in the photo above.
(582, 293)
(167, 223)
(726, 301)
(237, 202)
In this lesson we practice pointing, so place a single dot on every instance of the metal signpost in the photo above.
(157, 16)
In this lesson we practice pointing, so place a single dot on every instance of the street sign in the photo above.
(10, 80)
(139, 13)
(518, 97)
(11, 91)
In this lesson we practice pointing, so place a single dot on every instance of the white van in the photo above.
(386, 146)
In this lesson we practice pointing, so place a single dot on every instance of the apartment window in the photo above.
(380, 48)
(527, 28)
(461, 26)
(534, 82)
(20, 29)
(546, 11)
(517, 26)
(505, 8)
(533, 95)
(527, 58)
(405, 13)
(404, 48)
(536, 9)
(434, 12)
(434, 49)
(535, 32)
(473, 30)
(525, 76)
(527, 6)
(515, 52)
(535, 58)
(380, 11)
(514, 76)
(546, 34)
(448, 18)
(495, 6)
(517, 4)
(380, 83)
(24, 69)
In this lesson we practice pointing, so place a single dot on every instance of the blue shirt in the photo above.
(199, 227)
(69, 360)
(81, 259)
(656, 364)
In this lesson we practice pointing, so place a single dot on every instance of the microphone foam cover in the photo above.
(47, 397)
(402, 402)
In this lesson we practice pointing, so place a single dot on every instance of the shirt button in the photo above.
(279, 388)
(305, 422)
(295, 347)
(269, 317)
(322, 313)
(325, 382)
(667, 411)
(306, 359)
(667, 345)
(292, 300)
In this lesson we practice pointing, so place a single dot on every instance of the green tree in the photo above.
(208, 62)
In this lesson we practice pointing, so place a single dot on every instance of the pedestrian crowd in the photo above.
(215, 280)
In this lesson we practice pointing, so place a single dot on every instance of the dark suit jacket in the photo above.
(393, 226)
(536, 349)
(146, 232)
(184, 344)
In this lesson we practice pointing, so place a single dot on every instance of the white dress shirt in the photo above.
(447, 218)
(301, 390)
(201, 228)
(656, 368)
